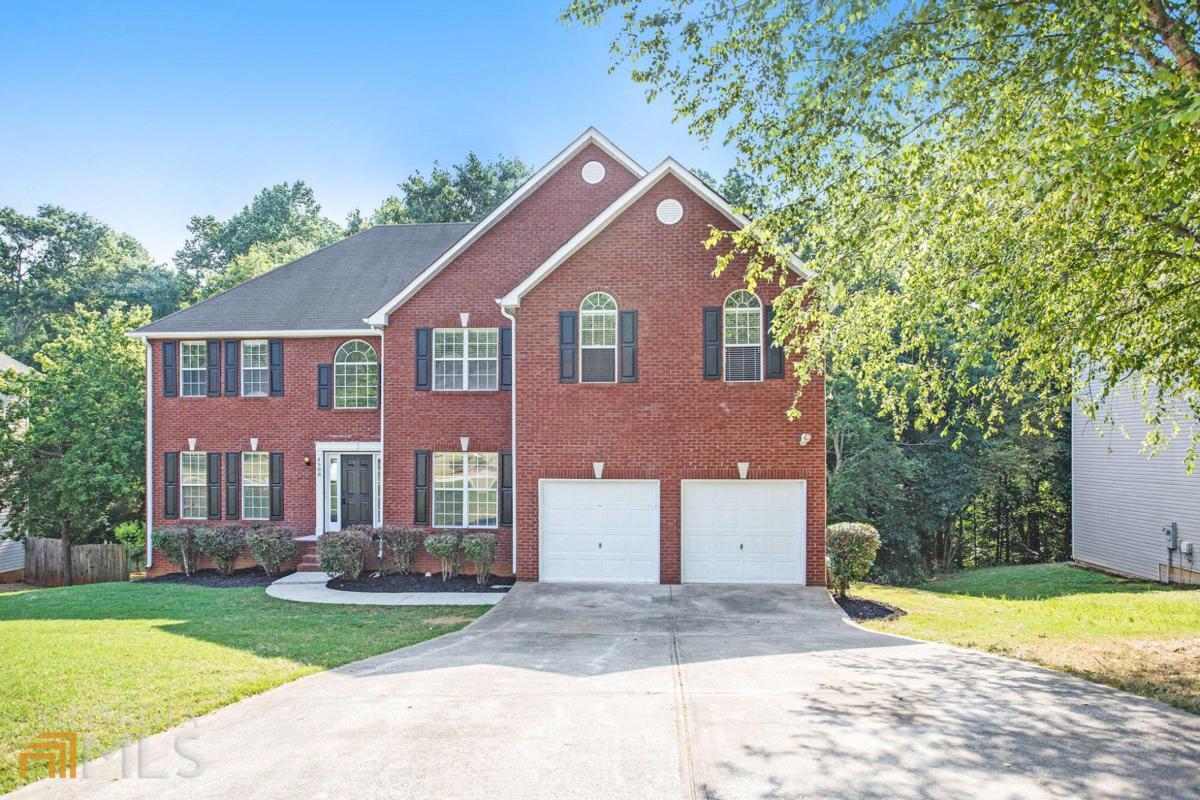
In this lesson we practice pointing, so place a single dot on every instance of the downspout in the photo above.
(379, 479)
(149, 453)
(513, 443)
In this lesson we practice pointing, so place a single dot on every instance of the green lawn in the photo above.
(1138, 636)
(118, 660)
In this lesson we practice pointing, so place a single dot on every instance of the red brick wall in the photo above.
(671, 424)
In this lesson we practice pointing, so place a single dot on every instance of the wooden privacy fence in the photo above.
(92, 563)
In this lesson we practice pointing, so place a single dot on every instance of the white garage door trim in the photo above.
(771, 558)
(645, 520)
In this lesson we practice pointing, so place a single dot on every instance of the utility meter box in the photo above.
(1171, 534)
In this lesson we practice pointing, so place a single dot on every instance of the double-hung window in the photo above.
(743, 337)
(193, 484)
(598, 339)
(466, 359)
(193, 368)
(466, 490)
(255, 369)
(355, 376)
(256, 485)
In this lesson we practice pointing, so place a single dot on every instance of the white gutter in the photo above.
(149, 453)
(513, 444)
(296, 334)
(382, 450)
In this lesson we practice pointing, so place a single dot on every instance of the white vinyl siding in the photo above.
(193, 485)
(1121, 497)
(256, 485)
(466, 490)
(193, 369)
(255, 369)
(466, 359)
(743, 337)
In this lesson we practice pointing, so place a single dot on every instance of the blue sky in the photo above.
(143, 114)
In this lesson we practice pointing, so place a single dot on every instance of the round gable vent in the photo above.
(669, 211)
(593, 172)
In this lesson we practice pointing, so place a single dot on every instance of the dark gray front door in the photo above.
(356, 491)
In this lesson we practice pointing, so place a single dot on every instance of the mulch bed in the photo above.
(372, 582)
(251, 578)
(861, 608)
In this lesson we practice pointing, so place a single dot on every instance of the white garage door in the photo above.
(743, 531)
(599, 530)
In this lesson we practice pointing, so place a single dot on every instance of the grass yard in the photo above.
(118, 661)
(1137, 636)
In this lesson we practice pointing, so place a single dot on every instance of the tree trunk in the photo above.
(64, 538)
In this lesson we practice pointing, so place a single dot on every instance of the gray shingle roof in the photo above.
(333, 288)
(8, 362)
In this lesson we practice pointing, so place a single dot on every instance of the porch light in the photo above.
(805, 438)
(598, 469)
(743, 469)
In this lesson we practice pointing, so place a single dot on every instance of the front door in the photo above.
(357, 508)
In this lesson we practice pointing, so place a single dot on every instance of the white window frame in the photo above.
(266, 484)
(328, 477)
(466, 489)
(184, 485)
(614, 312)
(725, 346)
(336, 382)
(465, 359)
(203, 369)
(265, 369)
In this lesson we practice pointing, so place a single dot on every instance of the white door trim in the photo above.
(542, 517)
(324, 450)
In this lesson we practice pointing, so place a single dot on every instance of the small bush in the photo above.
(272, 545)
(179, 544)
(222, 544)
(850, 551)
(133, 536)
(399, 544)
(480, 548)
(342, 553)
(446, 547)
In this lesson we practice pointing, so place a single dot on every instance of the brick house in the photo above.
(566, 373)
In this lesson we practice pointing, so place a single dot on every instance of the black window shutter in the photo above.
(424, 338)
(712, 343)
(506, 358)
(774, 354)
(214, 485)
(506, 488)
(233, 469)
(276, 479)
(421, 466)
(629, 346)
(171, 485)
(275, 348)
(323, 389)
(567, 328)
(170, 370)
(214, 368)
(231, 368)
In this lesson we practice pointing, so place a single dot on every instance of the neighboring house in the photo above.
(6, 363)
(1122, 498)
(566, 373)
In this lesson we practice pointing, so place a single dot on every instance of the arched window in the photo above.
(743, 337)
(355, 376)
(598, 339)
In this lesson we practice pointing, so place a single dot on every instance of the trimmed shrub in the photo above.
(850, 549)
(399, 544)
(342, 553)
(133, 536)
(179, 544)
(480, 548)
(272, 545)
(446, 547)
(222, 544)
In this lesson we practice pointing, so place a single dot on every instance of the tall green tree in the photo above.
(996, 197)
(57, 259)
(286, 215)
(464, 193)
(73, 435)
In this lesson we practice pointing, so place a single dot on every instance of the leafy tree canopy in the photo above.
(464, 193)
(999, 200)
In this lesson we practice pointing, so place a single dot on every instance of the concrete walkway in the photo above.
(664, 693)
(309, 587)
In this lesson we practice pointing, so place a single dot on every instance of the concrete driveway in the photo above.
(668, 692)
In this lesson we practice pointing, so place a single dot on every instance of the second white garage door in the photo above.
(598, 530)
(743, 531)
